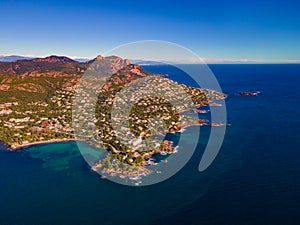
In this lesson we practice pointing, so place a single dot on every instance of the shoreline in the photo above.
(19, 146)
(16, 147)
(143, 170)
(39, 143)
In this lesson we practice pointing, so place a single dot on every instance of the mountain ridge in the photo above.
(58, 64)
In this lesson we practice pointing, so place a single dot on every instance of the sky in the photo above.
(247, 31)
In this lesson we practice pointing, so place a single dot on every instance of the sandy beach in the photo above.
(15, 147)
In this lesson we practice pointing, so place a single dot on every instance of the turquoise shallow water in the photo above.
(254, 179)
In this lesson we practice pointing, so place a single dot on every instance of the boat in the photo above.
(201, 111)
(215, 104)
(151, 163)
(163, 152)
(135, 178)
(137, 183)
(216, 124)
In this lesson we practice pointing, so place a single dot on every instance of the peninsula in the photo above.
(36, 98)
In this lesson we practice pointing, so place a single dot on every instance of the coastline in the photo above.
(142, 170)
(19, 146)
(39, 143)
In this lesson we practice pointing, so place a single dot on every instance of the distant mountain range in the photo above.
(81, 59)
(12, 58)
(147, 62)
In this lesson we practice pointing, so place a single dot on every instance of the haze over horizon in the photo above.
(217, 31)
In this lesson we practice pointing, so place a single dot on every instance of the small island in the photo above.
(250, 93)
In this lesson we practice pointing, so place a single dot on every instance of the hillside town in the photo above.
(125, 113)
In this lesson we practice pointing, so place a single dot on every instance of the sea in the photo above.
(255, 178)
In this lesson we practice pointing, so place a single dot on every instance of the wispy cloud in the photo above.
(229, 60)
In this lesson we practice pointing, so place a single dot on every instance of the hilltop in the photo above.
(54, 63)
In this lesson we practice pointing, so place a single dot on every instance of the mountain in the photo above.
(54, 59)
(126, 75)
(62, 64)
(12, 58)
(106, 66)
(55, 63)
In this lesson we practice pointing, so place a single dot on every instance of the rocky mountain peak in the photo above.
(99, 57)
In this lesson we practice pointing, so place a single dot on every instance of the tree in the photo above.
(139, 160)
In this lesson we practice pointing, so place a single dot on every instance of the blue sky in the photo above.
(265, 31)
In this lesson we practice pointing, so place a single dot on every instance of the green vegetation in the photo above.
(32, 109)
(147, 117)
(38, 107)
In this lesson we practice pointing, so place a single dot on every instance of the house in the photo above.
(137, 141)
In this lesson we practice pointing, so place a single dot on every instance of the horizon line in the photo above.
(183, 61)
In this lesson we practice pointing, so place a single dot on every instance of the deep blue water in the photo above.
(255, 178)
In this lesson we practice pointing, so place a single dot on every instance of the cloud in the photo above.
(293, 61)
